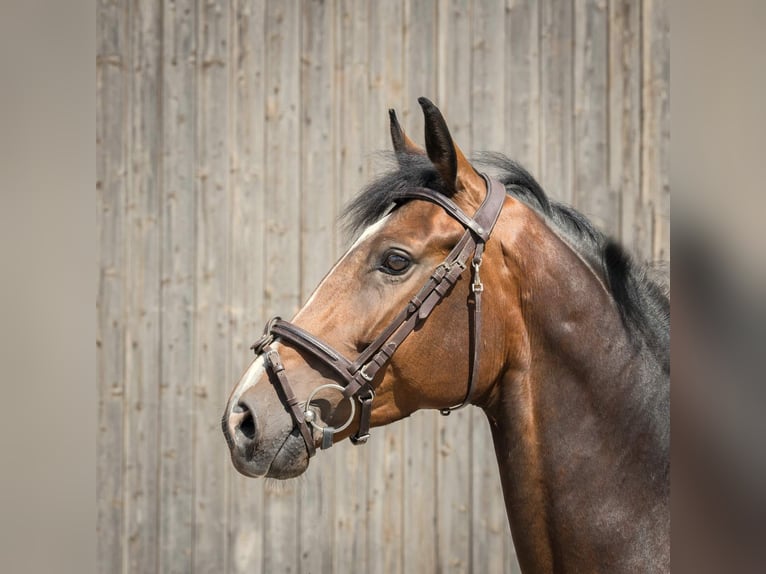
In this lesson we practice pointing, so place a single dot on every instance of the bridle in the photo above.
(357, 376)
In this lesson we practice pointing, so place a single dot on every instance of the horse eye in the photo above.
(395, 263)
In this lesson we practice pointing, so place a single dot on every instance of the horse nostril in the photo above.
(243, 425)
(247, 425)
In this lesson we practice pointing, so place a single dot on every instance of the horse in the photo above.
(522, 309)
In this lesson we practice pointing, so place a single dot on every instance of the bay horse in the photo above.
(522, 309)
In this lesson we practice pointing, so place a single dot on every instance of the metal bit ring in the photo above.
(310, 415)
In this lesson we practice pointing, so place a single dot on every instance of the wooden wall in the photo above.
(230, 134)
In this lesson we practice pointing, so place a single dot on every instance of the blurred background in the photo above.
(229, 137)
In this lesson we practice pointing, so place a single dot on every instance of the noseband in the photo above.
(358, 375)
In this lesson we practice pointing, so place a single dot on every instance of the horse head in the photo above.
(397, 325)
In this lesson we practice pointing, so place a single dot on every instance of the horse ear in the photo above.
(402, 144)
(453, 167)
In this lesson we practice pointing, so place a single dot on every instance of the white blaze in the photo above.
(367, 233)
(251, 376)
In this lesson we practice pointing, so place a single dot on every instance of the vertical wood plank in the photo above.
(351, 121)
(213, 219)
(143, 320)
(522, 85)
(282, 241)
(384, 449)
(655, 138)
(112, 61)
(178, 292)
(489, 522)
(455, 71)
(556, 107)
(488, 75)
(318, 240)
(246, 270)
(453, 434)
(625, 120)
(594, 197)
(419, 479)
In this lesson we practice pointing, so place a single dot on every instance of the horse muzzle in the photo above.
(253, 453)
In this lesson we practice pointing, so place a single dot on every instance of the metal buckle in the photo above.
(477, 286)
(359, 440)
(368, 397)
(258, 346)
(364, 375)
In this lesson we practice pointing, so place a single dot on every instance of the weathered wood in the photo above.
(211, 464)
(522, 83)
(247, 96)
(282, 242)
(556, 106)
(143, 288)
(593, 196)
(179, 247)
(383, 528)
(625, 119)
(319, 209)
(655, 138)
(453, 445)
(112, 137)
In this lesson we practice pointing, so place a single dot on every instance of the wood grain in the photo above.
(593, 196)
(557, 99)
(247, 95)
(655, 185)
(112, 139)
(212, 333)
(319, 209)
(282, 242)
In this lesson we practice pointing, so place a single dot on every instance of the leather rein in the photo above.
(357, 375)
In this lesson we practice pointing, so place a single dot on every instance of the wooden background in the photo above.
(230, 134)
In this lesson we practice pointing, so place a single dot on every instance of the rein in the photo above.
(358, 375)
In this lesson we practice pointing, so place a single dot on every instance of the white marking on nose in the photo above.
(252, 375)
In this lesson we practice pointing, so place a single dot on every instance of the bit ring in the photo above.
(310, 415)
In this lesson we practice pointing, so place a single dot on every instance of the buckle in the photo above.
(477, 286)
(364, 375)
(366, 398)
(264, 341)
(356, 440)
(275, 361)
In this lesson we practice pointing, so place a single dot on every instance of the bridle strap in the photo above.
(275, 366)
(359, 374)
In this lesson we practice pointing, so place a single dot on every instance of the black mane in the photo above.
(643, 302)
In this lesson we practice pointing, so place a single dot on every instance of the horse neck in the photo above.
(584, 474)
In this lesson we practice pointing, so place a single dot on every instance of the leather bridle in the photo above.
(357, 375)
